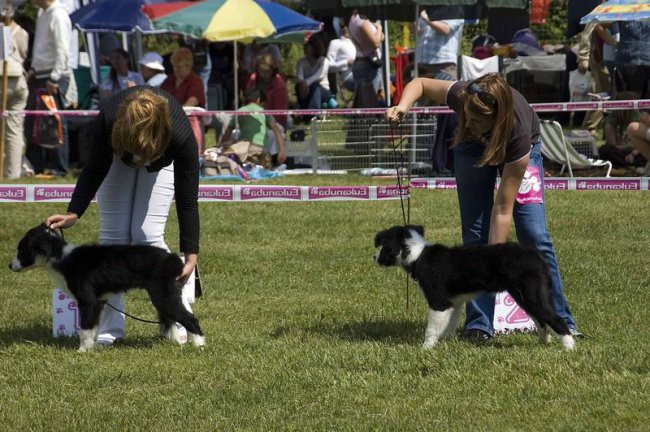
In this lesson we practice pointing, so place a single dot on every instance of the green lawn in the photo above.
(304, 332)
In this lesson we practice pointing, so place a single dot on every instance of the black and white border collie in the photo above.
(91, 273)
(450, 276)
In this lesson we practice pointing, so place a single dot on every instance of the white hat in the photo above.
(152, 60)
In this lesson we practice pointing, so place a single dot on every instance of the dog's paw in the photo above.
(177, 333)
(568, 342)
(429, 344)
(83, 349)
(197, 340)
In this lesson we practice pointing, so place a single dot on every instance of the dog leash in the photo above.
(105, 303)
(399, 168)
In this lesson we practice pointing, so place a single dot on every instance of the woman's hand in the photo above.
(282, 156)
(395, 114)
(61, 221)
(190, 264)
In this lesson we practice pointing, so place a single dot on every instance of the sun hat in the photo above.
(152, 60)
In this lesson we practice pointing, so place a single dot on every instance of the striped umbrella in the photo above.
(619, 10)
(229, 20)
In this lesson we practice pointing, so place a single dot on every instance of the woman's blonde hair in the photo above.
(492, 99)
(142, 127)
(182, 56)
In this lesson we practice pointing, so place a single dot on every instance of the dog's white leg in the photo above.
(177, 333)
(197, 340)
(87, 339)
(543, 333)
(450, 330)
(436, 325)
(567, 342)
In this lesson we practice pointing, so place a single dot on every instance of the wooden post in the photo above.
(3, 119)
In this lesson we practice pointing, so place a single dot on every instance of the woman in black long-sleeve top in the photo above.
(143, 154)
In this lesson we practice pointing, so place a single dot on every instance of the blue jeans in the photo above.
(476, 198)
(317, 96)
(365, 73)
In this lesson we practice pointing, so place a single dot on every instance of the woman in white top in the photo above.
(367, 38)
(341, 54)
(312, 85)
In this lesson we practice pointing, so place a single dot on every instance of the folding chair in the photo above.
(556, 149)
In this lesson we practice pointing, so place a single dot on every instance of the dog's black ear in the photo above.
(379, 237)
(41, 247)
(417, 228)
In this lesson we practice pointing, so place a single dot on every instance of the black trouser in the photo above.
(41, 158)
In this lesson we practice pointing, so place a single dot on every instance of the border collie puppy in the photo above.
(91, 273)
(448, 277)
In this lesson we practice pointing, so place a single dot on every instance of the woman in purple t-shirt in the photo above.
(498, 132)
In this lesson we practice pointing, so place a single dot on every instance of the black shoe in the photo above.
(476, 336)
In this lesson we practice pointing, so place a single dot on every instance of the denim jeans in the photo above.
(364, 72)
(317, 96)
(476, 198)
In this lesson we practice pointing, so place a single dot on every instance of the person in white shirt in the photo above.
(16, 96)
(312, 85)
(341, 53)
(152, 69)
(49, 73)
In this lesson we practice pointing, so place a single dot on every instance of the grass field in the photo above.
(305, 333)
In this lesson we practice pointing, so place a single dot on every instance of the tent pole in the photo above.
(236, 71)
(386, 63)
(415, 75)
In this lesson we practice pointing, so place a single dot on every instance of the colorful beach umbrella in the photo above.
(229, 20)
(619, 10)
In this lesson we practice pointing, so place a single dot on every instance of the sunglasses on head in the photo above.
(484, 96)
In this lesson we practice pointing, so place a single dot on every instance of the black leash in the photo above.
(105, 303)
(400, 168)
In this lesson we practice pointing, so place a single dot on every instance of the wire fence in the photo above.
(365, 142)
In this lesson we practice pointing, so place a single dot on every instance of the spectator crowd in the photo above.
(341, 65)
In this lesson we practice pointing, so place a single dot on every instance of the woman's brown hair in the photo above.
(267, 60)
(142, 127)
(492, 99)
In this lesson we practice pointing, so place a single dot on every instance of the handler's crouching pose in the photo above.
(498, 132)
(142, 154)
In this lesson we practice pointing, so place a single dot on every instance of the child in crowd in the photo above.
(253, 128)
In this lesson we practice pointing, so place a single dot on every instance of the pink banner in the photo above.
(389, 192)
(270, 193)
(216, 193)
(631, 184)
(339, 192)
(13, 193)
(53, 193)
